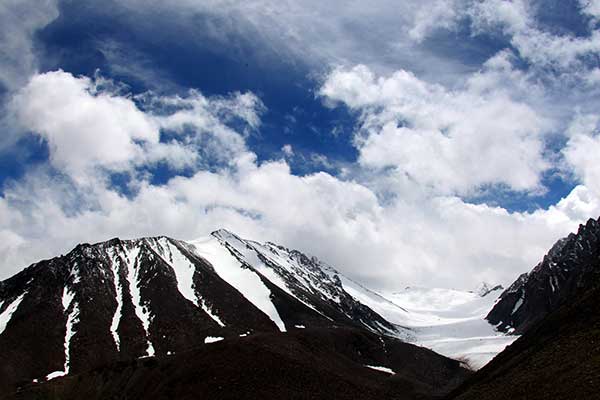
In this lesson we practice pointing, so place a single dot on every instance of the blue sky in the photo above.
(446, 138)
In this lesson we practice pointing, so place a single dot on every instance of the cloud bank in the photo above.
(404, 213)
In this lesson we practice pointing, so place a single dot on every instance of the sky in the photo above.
(437, 143)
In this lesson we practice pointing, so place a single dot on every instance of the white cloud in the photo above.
(593, 78)
(582, 149)
(591, 7)
(89, 130)
(387, 227)
(310, 32)
(288, 150)
(450, 141)
(427, 240)
(442, 14)
(19, 20)
(83, 129)
(540, 47)
(414, 237)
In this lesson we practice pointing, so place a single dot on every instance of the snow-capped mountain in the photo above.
(157, 296)
(125, 299)
(571, 266)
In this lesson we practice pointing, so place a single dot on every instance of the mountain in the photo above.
(569, 268)
(558, 355)
(124, 308)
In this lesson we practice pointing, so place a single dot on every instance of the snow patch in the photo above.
(207, 310)
(55, 374)
(300, 326)
(140, 310)
(184, 270)
(518, 305)
(213, 339)
(381, 369)
(72, 308)
(6, 315)
(384, 307)
(119, 297)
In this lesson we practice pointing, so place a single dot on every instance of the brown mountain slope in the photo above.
(558, 358)
(320, 363)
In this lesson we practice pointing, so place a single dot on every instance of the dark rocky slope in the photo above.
(320, 363)
(569, 269)
(558, 356)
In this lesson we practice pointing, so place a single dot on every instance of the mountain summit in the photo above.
(156, 297)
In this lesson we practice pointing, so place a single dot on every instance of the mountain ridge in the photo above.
(569, 268)
(125, 299)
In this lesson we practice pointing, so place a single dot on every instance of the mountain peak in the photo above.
(570, 267)
(484, 288)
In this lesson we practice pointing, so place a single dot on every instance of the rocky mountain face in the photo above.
(571, 267)
(119, 301)
(557, 358)
(556, 308)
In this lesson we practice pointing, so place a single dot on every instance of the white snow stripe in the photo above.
(518, 305)
(213, 339)
(246, 281)
(134, 290)
(184, 272)
(381, 369)
(119, 297)
(6, 316)
(68, 303)
(251, 256)
(72, 319)
(214, 316)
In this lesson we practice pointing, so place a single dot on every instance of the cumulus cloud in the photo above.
(397, 217)
(84, 129)
(582, 149)
(426, 240)
(415, 237)
(90, 127)
(451, 141)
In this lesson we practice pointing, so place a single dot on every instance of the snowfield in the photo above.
(451, 322)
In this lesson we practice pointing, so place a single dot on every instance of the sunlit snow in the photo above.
(213, 339)
(382, 369)
(247, 282)
(9, 311)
